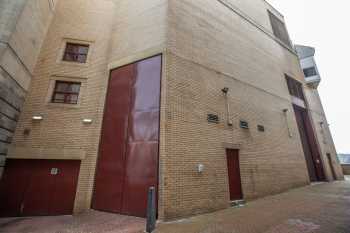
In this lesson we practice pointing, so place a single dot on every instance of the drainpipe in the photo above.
(225, 90)
(285, 112)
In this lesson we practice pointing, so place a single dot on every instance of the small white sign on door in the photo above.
(54, 171)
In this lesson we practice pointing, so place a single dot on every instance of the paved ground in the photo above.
(322, 208)
(91, 222)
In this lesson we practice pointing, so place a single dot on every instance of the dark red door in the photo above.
(13, 185)
(234, 174)
(47, 187)
(309, 143)
(128, 159)
(41, 182)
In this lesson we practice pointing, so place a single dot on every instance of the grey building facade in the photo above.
(23, 26)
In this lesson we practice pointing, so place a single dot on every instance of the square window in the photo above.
(76, 53)
(295, 88)
(279, 29)
(309, 72)
(66, 92)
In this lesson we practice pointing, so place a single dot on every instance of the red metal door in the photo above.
(111, 162)
(128, 160)
(40, 183)
(234, 174)
(38, 187)
(310, 148)
(13, 184)
(64, 188)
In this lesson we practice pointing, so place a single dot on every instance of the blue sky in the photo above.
(325, 25)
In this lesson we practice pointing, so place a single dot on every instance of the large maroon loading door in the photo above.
(311, 152)
(128, 159)
(38, 187)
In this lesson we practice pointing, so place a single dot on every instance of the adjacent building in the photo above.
(205, 100)
(23, 27)
(345, 163)
(317, 115)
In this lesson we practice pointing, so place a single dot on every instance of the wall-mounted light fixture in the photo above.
(37, 118)
(87, 121)
(225, 90)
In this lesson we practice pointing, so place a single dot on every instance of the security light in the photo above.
(87, 121)
(225, 90)
(37, 118)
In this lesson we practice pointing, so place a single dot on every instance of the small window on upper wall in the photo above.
(66, 92)
(295, 88)
(308, 72)
(76, 52)
(279, 29)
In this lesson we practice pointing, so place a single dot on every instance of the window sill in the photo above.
(74, 64)
(60, 105)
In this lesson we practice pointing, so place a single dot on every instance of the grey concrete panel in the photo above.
(5, 136)
(3, 47)
(8, 110)
(10, 91)
(2, 160)
(7, 123)
(10, 10)
(3, 148)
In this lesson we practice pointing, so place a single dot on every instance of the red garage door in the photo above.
(38, 187)
(128, 159)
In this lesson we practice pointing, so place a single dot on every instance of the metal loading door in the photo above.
(128, 159)
(38, 187)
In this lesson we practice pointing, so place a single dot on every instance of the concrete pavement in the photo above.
(320, 208)
(90, 222)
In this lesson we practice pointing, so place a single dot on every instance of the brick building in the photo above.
(204, 99)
